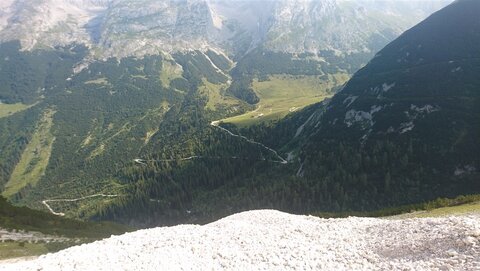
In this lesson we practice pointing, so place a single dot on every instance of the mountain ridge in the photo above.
(122, 28)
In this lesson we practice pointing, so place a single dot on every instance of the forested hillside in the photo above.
(190, 135)
(406, 127)
(404, 130)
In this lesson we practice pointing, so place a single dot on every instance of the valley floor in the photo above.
(268, 239)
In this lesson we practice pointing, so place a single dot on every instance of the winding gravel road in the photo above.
(280, 158)
(216, 124)
(45, 202)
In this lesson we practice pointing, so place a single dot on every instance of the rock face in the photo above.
(123, 27)
(274, 240)
(49, 22)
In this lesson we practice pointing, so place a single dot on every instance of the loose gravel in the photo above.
(272, 240)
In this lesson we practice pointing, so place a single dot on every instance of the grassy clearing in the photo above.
(170, 71)
(149, 135)
(460, 205)
(10, 109)
(35, 157)
(216, 96)
(140, 76)
(97, 151)
(10, 250)
(283, 94)
(463, 209)
(100, 81)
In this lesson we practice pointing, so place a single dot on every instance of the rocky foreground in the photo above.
(274, 240)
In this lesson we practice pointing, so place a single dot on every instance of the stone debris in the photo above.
(272, 240)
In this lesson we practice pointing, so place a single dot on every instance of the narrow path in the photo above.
(45, 202)
(144, 162)
(281, 160)
(216, 124)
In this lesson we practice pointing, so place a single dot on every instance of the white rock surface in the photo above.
(260, 240)
(142, 27)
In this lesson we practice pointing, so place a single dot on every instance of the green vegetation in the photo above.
(220, 60)
(9, 250)
(283, 94)
(216, 96)
(358, 156)
(99, 127)
(196, 66)
(440, 207)
(27, 76)
(16, 131)
(22, 218)
(10, 109)
(367, 165)
(170, 71)
(35, 157)
(25, 219)
(468, 208)
(100, 81)
(403, 131)
(445, 207)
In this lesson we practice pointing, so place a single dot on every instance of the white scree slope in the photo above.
(259, 240)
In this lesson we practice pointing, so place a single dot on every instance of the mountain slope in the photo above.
(117, 97)
(406, 127)
(26, 232)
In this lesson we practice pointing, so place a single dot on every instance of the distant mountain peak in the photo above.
(124, 27)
